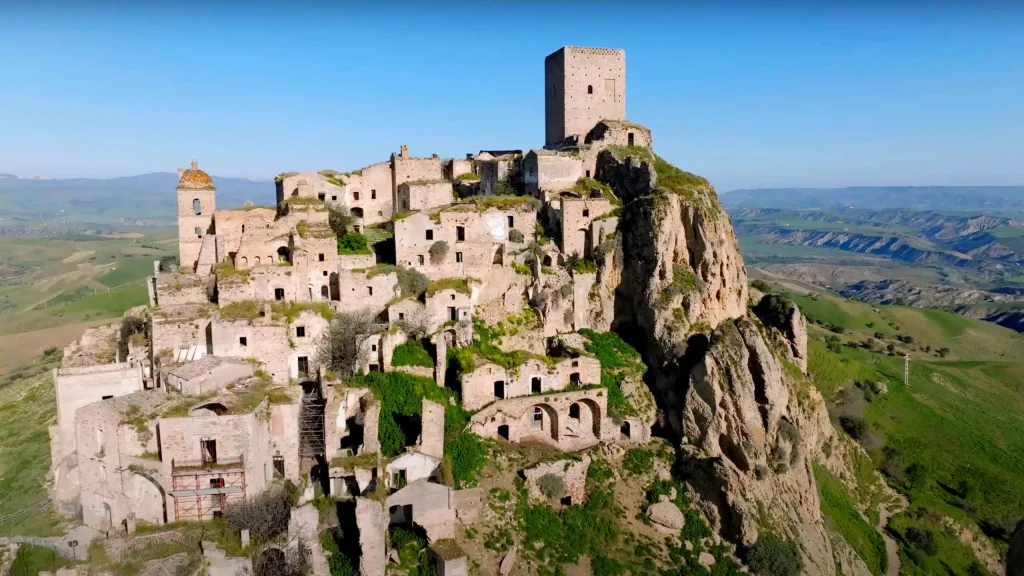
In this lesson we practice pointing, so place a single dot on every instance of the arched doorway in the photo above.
(542, 421)
(590, 417)
(583, 241)
(282, 254)
(108, 516)
(325, 292)
(335, 287)
(150, 501)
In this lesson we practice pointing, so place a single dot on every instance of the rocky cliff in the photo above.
(731, 391)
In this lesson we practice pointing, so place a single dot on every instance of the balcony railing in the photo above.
(181, 466)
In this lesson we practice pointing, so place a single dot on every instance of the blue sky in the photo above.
(800, 95)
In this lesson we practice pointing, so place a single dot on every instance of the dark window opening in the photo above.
(208, 448)
(216, 482)
(278, 293)
(503, 431)
(107, 397)
(452, 313)
(369, 290)
(624, 430)
(300, 331)
(325, 272)
(430, 234)
(586, 213)
(574, 378)
(629, 138)
(321, 196)
(574, 411)
(374, 368)
(401, 315)
(458, 257)
(566, 501)
(334, 198)
(511, 222)
(538, 418)
(398, 479)
(243, 341)
(460, 233)
(322, 257)
(218, 514)
(499, 389)
(199, 232)
(590, 89)
(373, 194)
(535, 385)
(303, 365)
(278, 467)
(355, 195)
(421, 260)
(197, 207)
(588, 173)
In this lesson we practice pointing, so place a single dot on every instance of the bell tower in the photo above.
(197, 200)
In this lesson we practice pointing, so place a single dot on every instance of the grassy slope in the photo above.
(962, 420)
(70, 279)
(27, 409)
(841, 515)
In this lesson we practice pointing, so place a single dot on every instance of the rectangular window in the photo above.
(325, 272)
(430, 234)
(208, 448)
(535, 385)
(321, 257)
(499, 389)
(586, 213)
(278, 467)
(421, 259)
(452, 315)
(278, 294)
(401, 315)
(398, 479)
(374, 368)
(303, 365)
(458, 256)
(369, 290)
(334, 198)
(107, 397)
(300, 331)
(321, 196)
(373, 347)
(373, 194)
(243, 342)
(511, 222)
(460, 233)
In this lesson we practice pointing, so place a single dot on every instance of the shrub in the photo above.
(905, 338)
(353, 243)
(521, 269)
(339, 218)
(265, 515)
(551, 486)
(879, 335)
(581, 265)
(515, 235)
(412, 353)
(855, 426)
(773, 556)
(468, 456)
(467, 177)
(438, 252)
(775, 310)
(762, 286)
(638, 460)
(922, 539)
(943, 352)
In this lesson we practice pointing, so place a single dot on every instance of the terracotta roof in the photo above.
(195, 179)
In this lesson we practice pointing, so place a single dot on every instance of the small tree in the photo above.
(773, 556)
(338, 349)
(339, 218)
(438, 252)
(775, 310)
(551, 486)
(855, 426)
(515, 235)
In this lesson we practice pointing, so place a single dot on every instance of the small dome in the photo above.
(195, 179)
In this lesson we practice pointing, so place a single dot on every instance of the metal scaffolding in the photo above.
(202, 489)
(311, 422)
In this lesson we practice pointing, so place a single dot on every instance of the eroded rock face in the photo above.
(751, 431)
(748, 427)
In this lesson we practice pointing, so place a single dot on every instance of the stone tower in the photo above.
(197, 199)
(582, 86)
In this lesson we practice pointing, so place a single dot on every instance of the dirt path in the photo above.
(891, 548)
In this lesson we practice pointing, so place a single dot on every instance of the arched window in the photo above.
(197, 206)
(325, 292)
(257, 260)
(574, 411)
(590, 89)
(538, 417)
(245, 261)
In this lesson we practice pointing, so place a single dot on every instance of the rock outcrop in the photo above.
(748, 425)
(665, 514)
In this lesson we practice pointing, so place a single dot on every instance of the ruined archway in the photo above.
(540, 420)
(590, 414)
(149, 498)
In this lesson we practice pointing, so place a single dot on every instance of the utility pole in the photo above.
(906, 370)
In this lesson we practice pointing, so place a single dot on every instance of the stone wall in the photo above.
(176, 289)
(483, 237)
(408, 169)
(359, 291)
(566, 420)
(177, 327)
(583, 86)
(576, 216)
(193, 227)
(424, 195)
(478, 386)
(78, 387)
(370, 194)
(372, 523)
(432, 431)
(310, 185)
(548, 171)
(433, 508)
(416, 467)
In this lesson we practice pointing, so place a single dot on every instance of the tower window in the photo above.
(590, 89)
(321, 196)
(629, 138)
(197, 206)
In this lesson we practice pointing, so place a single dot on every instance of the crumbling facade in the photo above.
(476, 273)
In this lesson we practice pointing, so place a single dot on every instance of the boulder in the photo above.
(666, 514)
(706, 560)
(509, 561)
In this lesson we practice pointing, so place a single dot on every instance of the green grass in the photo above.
(457, 284)
(838, 509)
(128, 270)
(27, 408)
(952, 556)
(412, 353)
(35, 559)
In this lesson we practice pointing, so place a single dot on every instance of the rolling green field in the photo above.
(47, 282)
(951, 440)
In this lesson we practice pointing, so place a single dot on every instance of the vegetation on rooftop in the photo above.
(304, 201)
(242, 310)
(501, 202)
(618, 361)
(458, 284)
(291, 310)
(412, 353)
(306, 230)
(280, 177)
(467, 177)
(226, 271)
(620, 153)
(587, 187)
(353, 243)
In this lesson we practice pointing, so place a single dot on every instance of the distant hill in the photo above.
(957, 198)
(140, 199)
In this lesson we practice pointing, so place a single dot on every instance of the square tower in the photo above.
(197, 201)
(582, 86)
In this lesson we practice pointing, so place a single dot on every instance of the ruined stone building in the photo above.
(216, 390)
